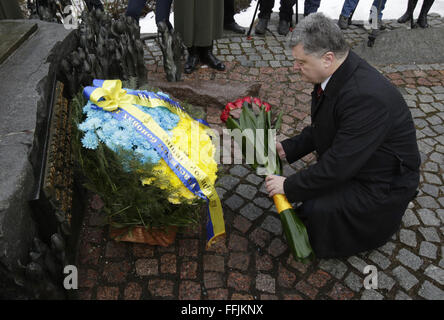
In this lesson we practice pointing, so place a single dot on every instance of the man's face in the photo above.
(311, 68)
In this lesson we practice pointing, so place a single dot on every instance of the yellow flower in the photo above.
(192, 138)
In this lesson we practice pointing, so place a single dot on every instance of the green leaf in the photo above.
(278, 124)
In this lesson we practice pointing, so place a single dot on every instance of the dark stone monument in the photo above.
(30, 256)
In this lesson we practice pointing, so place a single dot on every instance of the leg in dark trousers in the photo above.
(422, 19)
(229, 23)
(311, 6)
(94, 4)
(163, 9)
(409, 13)
(265, 9)
(135, 8)
(285, 14)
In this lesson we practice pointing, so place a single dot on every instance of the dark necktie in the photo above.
(319, 92)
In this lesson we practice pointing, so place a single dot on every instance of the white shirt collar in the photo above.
(324, 83)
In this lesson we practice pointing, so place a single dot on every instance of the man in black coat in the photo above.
(367, 171)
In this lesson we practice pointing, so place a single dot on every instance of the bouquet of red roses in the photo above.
(255, 117)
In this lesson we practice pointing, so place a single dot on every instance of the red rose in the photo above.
(238, 103)
(257, 101)
(248, 99)
(224, 116)
(230, 106)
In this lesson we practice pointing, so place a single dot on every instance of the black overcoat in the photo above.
(367, 169)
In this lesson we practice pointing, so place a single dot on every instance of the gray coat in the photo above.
(199, 21)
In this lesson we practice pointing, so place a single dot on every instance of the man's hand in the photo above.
(274, 185)
(280, 151)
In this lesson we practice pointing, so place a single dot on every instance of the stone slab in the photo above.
(12, 35)
(28, 77)
(214, 93)
(405, 46)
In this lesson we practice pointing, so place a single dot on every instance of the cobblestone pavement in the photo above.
(253, 262)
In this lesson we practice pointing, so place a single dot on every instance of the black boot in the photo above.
(422, 19)
(192, 60)
(408, 15)
(207, 57)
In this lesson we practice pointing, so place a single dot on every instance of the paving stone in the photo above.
(251, 212)
(273, 225)
(254, 179)
(189, 290)
(432, 178)
(147, 267)
(382, 261)
(107, 293)
(435, 273)
(429, 234)
(213, 263)
(266, 283)
(408, 237)
(427, 202)
(277, 247)
(239, 260)
(402, 296)
(430, 189)
(354, 282)
(428, 250)
(239, 281)
(358, 263)
(241, 224)
(285, 278)
(430, 292)
(239, 171)
(371, 295)
(335, 267)
(234, 202)
(405, 278)
(428, 217)
(409, 259)
(385, 282)
(228, 182)
(246, 191)
(388, 248)
(259, 237)
(339, 292)
(263, 202)
(264, 262)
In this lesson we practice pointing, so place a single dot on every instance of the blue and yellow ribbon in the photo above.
(109, 95)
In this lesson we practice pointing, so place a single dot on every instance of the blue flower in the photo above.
(90, 140)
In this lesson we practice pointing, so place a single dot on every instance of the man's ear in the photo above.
(328, 59)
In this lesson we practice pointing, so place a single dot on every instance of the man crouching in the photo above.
(367, 171)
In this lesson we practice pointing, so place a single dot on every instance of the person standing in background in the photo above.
(422, 19)
(199, 22)
(349, 7)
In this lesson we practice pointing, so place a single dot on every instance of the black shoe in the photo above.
(261, 26)
(284, 27)
(207, 57)
(422, 18)
(343, 22)
(192, 60)
(405, 17)
(233, 26)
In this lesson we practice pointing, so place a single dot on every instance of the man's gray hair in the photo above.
(318, 35)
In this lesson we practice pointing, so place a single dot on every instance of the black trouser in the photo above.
(285, 11)
(163, 7)
(228, 11)
(96, 4)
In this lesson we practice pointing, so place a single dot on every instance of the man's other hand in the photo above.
(280, 151)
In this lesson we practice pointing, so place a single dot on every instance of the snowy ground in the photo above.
(332, 8)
